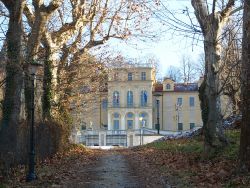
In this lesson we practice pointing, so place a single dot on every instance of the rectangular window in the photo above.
(143, 76)
(130, 76)
(179, 101)
(180, 126)
(130, 124)
(192, 125)
(191, 101)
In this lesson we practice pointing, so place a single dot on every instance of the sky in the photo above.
(168, 49)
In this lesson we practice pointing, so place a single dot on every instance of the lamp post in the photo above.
(141, 131)
(178, 108)
(157, 112)
(32, 71)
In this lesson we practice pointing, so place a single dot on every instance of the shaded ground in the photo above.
(63, 170)
(178, 163)
(82, 168)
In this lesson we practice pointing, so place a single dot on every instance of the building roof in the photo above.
(178, 87)
(158, 87)
(186, 87)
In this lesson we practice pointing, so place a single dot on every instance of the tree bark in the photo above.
(14, 80)
(245, 126)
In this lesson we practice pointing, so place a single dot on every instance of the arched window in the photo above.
(129, 98)
(116, 115)
(144, 98)
(130, 115)
(116, 99)
(168, 86)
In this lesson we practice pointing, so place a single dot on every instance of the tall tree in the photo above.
(245, 125)
(58, 33)
(211, 24)
(211, 17)
(14, 78)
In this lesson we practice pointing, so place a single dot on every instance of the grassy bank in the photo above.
(181, 163)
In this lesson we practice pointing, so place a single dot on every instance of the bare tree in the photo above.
(92, 24)
(212, 24)
(187, 68)
(211, 18)
(59, 34)
(174, 73)
(199, 66)
(230, 69)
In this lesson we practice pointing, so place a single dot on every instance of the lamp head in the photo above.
(157, 95)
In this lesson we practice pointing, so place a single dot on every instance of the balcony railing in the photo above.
(148, 105)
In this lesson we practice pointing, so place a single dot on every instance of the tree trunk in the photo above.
(210, 95)
(9, 134)
(245, 126)
(212, 50)
(211, 26)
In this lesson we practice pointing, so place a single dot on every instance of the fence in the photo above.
(126, 138)
(116, 137)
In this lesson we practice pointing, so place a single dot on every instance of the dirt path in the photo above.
(91, 169)
(112, 170)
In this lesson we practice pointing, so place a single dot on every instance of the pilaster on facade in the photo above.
(137, 121)
(109, 120)
(123, 121)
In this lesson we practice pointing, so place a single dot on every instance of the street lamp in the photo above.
(157, 112)
(32, 68)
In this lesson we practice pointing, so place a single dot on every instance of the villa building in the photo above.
(129, 103)
(132, 108)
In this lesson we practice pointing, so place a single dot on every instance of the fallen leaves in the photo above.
(178, 165)
(57, 171)
(174, 162)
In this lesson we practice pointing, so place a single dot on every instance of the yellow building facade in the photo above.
(179, 105)
(130, 97)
